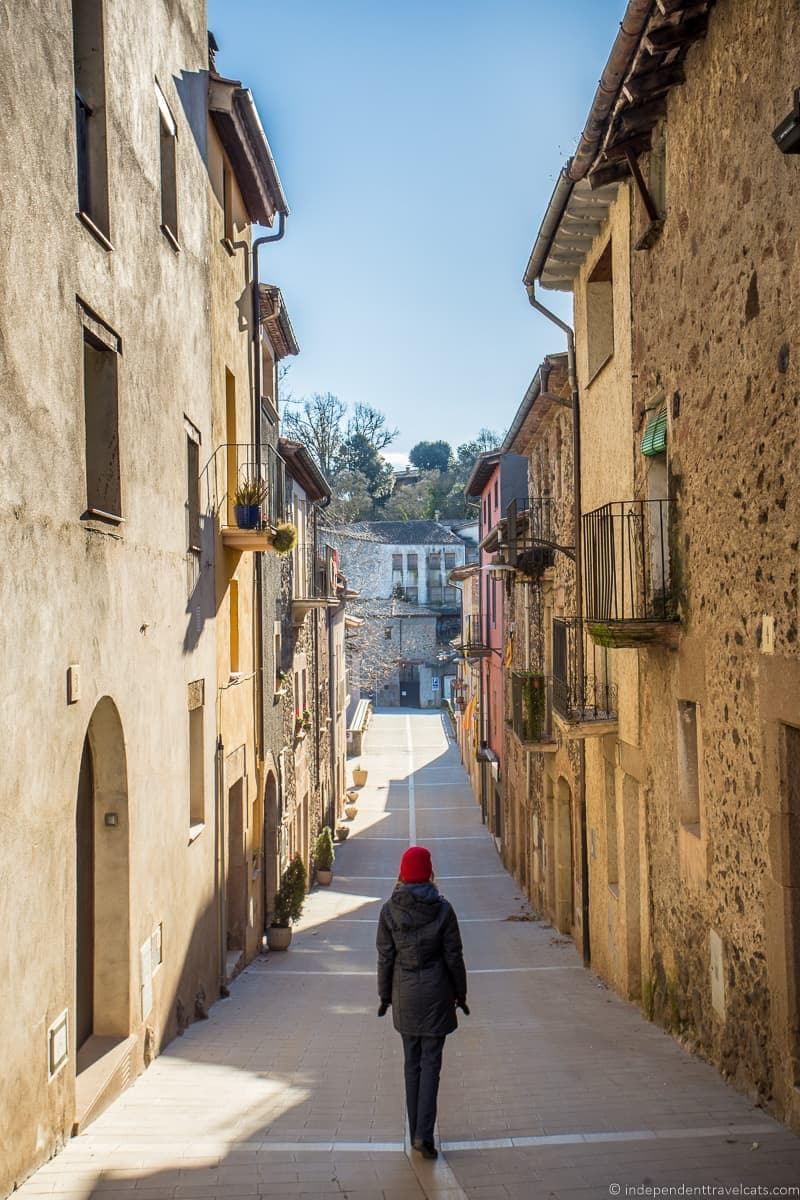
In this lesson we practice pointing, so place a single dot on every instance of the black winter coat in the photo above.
(420, 960)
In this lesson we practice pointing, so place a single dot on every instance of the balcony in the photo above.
(584, 699)
(629, 578)
(314, 580)
(233, 475)
(532, 711)
(533, 535)
(473, 644)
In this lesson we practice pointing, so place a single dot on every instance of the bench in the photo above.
(358, 727)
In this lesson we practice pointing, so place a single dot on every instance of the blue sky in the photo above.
(418, 146)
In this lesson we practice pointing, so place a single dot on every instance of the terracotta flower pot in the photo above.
(359, 777)
(279, 937)
(350, 811)
(342, 833)
(324, 877)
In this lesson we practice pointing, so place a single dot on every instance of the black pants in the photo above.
(423, 1066)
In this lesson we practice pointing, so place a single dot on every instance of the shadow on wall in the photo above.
(201, 603)
(192, 89)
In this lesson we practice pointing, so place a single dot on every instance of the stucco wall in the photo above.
(125, 603)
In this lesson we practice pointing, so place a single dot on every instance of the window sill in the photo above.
(96, 233)
(98, 514)
(195, 831)
(170, 236)
(598, 370)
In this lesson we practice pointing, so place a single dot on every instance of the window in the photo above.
(101, 412)
(496, 492)
(449, 560)
(612, 833)
(689, 766)
(600, 312)
(397, 564)
(231, 449)
(411, 563)
(168, 138)
(90, 116)
(234, 625)
(192, 486)
(197, 808)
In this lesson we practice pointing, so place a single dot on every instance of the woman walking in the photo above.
(421, 974)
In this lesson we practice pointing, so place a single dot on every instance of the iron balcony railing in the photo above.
(627, 564)
(315, 570)
(474, 643)
(531, 707)
(581, 695)
(231, 469)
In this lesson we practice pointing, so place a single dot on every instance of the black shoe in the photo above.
(426, 1149)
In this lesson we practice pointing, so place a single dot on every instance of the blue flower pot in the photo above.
(247, 516)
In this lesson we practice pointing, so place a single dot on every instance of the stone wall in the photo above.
(714, 314)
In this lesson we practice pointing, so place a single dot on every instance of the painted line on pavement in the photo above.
(467, 837)
(524, 1142)
(635, 1135)
(368, 878)
(412, 813)
(371, 974)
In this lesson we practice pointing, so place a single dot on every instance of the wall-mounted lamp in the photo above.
(787, 134)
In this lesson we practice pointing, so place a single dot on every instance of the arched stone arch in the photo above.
(103, 880)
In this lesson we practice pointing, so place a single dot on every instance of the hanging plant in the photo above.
(284, 538)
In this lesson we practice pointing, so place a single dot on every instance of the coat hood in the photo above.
(413, 905)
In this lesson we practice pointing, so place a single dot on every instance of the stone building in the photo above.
(135, 640)
(496, 481)
(309, 641)
(687, 392)
(411, 612)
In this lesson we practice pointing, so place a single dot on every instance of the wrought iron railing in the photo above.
(627, 564)
(585, 694)
(315, 569)
(531, 707)
(234, 466)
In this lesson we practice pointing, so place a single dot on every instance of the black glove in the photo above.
(383, 1007)
(462, 1004)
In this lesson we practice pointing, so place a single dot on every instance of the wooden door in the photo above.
(84, 828)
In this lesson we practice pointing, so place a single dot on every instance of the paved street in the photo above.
(553, 1087)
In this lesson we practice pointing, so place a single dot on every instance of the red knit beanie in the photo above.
(416, 865)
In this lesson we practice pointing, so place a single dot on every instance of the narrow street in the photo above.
(553, 1087)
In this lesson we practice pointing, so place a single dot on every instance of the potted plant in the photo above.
(298, 723)
(350, 805)
(342, 832)
(306, 718)
(284, 539)
(288, 906)
(359, 776)
(324, 856)
(281, 679)
(250, 495)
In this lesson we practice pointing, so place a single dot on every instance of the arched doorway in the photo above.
(563, 871)
(102, 938)
(271, 847)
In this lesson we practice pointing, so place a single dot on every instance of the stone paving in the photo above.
(553, 1087)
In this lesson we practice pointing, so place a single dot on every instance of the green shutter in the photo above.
(655, 436)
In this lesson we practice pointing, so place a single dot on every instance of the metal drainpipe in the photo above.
(259, 656)
(576, 472)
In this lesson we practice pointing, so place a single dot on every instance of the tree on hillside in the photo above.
(466, 453)
(431, 456)
(318, 425)
(359, 456)
(371, 424)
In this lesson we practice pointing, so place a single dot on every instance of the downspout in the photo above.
(530, 288)
(259, 655)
